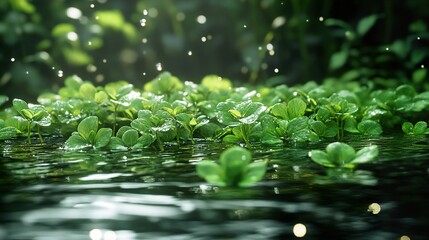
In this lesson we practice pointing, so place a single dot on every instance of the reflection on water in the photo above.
(149, 194)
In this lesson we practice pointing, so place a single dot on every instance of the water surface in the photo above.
(50, 193)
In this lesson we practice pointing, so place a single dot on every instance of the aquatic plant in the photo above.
(34, 115)
(342, 155)
(419, 128)
(128, 138)
(89, 135)
(235, 169)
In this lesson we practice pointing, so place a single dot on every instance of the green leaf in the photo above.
(407, 127)
(103, 137)
(18, 122)
(297, 124)
(3, 99)
(215, 83)
(338, 59)
(296, 108)
(211, 172)
(318, 127)
(280, 110)
(369, 127)
(419, 75)
(420, 128)
(75, 141)
(323, 114)
(350, 125)
(366, 24)
(144, 140)
(320, 157)
(87, 91)
(8, 132)
(110, 18)
(224, 116)
(62, 29)
(26, 113)
(116, 144)
(19, 105)
(366, 154)
(233, 161)
(232, 139)
(340, 153)
(130, 137)
(253, 174)
(86, 126)
(122, 130)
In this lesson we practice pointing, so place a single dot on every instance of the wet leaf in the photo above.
(87, 125)
(103, 137)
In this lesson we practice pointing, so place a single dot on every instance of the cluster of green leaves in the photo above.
(342, 155)
(169, 111)
(357, 60)
(235, 169)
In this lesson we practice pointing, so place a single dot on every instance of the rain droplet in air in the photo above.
(72, 36)
(60, 73)
(12, 59)
(422, 66)
(278, 22)
(92, 5)
(158, 67)
(201, 19)
(73, 13)
(276, 70)
(145, 12)
(387, 49)
(143, 22)
(321, 19)
(203, 39)
(189, 53)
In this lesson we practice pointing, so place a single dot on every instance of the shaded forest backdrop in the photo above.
(251, 41)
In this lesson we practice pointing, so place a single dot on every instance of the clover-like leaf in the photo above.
(103, 137)
(19, 105)
(8, 132)
(211, 172)
(75, 141)
(420, 127)
(233, 161)
(296, 108)
(366, 154)
(88, 125)
(369, 127)
(253, 174)
(340, 153)
(321, 158)
(130, 137)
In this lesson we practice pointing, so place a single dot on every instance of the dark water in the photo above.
(49, 193)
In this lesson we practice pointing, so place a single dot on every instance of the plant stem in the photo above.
(115, 113)
(40, 135)
(29, 132)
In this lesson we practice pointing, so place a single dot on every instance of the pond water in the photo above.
(49, 193)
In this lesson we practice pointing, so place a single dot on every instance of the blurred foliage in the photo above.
(256, 41)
